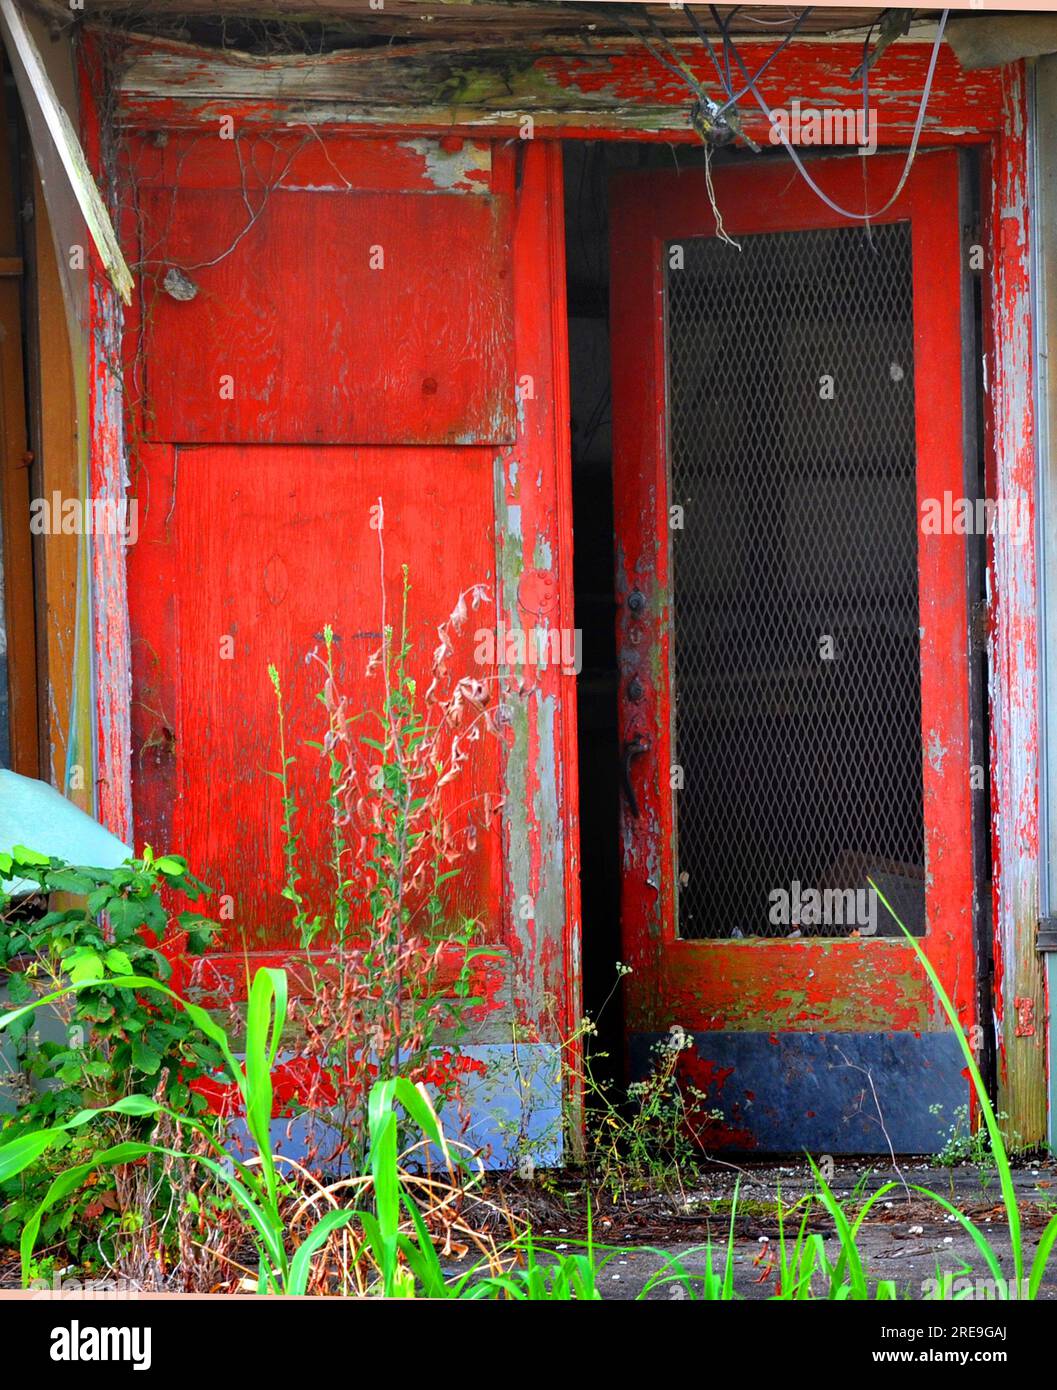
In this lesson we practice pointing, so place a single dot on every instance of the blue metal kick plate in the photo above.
(787, 1092)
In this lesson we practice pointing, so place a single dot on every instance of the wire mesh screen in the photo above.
(797, 702)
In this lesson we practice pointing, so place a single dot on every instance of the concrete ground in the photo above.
(906, 1239)
(915, 1264)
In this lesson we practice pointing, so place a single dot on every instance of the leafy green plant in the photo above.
(646, 1135)
(965, 1145)
(847, 1277)
(798, 1261)
(112, 1036)
(707, 1287)
(795, 1266)
(256, 1188)
(540, 1275)
(100, 1042)
(394, 1235)
(84, 1229)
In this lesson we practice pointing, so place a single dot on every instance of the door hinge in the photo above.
(1046, 940)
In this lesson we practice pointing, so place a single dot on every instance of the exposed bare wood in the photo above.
(522, 15)
(1019, 986)
(500, 18)
(58, 557)
(563, 83)
(35, 89)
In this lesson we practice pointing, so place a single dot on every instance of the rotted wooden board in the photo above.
(469, 19)
(607, 86)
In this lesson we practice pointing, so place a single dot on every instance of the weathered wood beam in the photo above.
(565, 86)
(37, 93)
(1019, 987)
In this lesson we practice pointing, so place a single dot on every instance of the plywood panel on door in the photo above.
(270, 545)
(328, 317)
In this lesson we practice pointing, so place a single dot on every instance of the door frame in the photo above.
(649, 210)
(986, 109)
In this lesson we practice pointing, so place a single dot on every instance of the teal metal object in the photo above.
(35, 815)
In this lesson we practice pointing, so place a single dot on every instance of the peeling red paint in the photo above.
(1013, 636)
(1025, 1017)
(615, 93)
(610, 88)
(818, 985)
(249, 539)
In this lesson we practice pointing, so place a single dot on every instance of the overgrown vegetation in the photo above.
(393, 1249)
(1024, 1285)
(100, 1042)
(648, 1135)
(386, 984)
(111, 1155)
(384, 1230)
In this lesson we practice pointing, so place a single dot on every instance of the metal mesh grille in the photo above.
(797, 703)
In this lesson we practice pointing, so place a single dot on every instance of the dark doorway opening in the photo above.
(588, 167)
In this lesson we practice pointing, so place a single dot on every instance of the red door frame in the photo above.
(603, 93)
(648, 210)
(779, 987)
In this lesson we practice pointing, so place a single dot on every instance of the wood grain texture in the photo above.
(58, 557)
(608, 86)
(339, 317)
(264, 543)
(1019, 987)
(107, 481)
(266, 546)
(466, 20)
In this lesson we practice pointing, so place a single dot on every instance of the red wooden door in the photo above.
(793, 645)
(325, 322)
(313, 366)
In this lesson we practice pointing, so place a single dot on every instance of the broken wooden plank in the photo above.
(37, 93)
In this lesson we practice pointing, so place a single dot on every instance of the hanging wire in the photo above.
(721, 231)
(769, 23)
(705, 118)
(732, 97)
(911, 153)
(674, 64)
(703, 36)
(718, 123)
(866, 79)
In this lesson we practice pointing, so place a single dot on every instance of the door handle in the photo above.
(634, 747)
